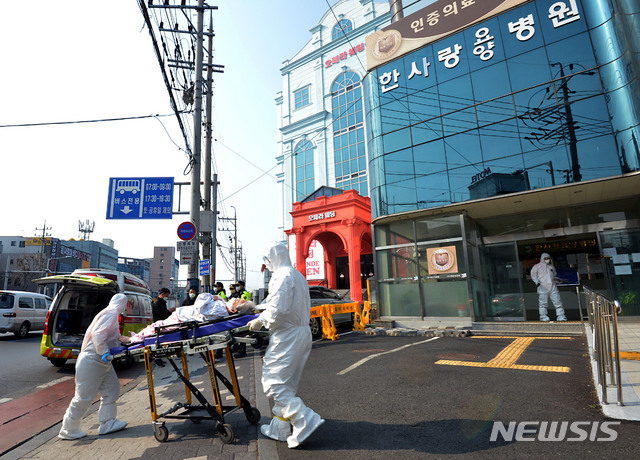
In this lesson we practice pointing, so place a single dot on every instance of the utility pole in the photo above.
(209, 237)
(214, 244)
(44, 235)
(194, 213)
(573, 148)
(235, 245)
(172, 56)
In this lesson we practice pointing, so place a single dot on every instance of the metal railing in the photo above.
(603, 320)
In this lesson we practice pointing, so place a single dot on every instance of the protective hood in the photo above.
(104, 330)
(278, 255)
(117, 304)
(542, 257)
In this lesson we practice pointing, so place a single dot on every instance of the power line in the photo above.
(97, 120)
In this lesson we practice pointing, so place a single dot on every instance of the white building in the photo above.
(320, 108)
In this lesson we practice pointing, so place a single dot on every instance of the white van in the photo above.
(21, 312)
(81, 296)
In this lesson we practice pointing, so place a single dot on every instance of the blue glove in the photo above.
(105, 357)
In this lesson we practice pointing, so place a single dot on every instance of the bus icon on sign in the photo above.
(128, 185)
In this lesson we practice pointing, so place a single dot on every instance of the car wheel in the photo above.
(23, 332)
(316, 327)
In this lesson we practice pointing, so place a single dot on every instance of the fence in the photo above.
(603, 320)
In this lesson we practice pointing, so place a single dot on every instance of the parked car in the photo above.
(81, 296)
(321, 295)
(21, 312)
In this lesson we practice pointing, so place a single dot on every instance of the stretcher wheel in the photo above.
(161, 433)
(253, 416)
(226, 434)
(259, 341)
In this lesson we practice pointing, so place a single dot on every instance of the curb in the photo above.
(266, 447)
(406, 332)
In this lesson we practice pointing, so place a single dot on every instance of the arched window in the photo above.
(348, 133)
(343, 27)
(303, 154)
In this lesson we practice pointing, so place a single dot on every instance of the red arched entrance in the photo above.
(341, 222)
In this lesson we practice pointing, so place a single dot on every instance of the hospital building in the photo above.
(493, 131)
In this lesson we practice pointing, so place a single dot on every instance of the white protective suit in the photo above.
(286, 315)
(95, 374)
(544, 275)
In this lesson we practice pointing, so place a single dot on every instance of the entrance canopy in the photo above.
(341, 222)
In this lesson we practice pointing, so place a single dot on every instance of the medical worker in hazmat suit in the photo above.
(286, 315)
(544, 275)
(95, 374)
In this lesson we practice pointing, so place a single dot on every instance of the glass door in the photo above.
(501, 283)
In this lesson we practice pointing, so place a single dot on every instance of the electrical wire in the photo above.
(75, 122)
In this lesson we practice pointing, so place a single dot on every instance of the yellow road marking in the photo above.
(507, 358)
(635, 355)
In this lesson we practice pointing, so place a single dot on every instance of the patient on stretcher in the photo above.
(207, 307)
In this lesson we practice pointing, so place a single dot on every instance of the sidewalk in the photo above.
(137, 440)
(629, 343)
(188, 440)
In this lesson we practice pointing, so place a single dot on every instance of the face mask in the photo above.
(192, 296)
(547, 261)
(268, 264)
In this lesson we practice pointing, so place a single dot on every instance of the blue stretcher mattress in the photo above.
(188, 333)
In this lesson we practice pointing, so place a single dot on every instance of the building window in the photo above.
(13, 243)
(348, 134)
(343, 27)
(301, 97)
(303, 154)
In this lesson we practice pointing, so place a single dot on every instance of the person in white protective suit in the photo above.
(286, 315)
(544, 275)
(95, 374)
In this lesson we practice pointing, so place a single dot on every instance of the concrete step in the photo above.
(574, 328)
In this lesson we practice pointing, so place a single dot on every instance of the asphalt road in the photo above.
(23, 368)
(394, 401)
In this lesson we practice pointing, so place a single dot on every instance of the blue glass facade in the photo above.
(535, 98)
(557, 105)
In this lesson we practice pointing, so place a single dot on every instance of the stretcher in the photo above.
(204, 339)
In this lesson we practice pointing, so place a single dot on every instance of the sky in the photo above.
(78, 60)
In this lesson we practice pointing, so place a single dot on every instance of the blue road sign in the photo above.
(205, 267)
(186, 231)
(140, 198)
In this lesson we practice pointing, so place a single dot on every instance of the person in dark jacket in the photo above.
(191, 298)
(159, 305)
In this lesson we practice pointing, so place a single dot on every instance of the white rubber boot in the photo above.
(111, 426)
(304, 423)
(279, 429)
(71, 430)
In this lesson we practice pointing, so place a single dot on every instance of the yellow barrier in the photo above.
(326, 312)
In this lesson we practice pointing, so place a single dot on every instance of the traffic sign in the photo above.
(186, 259)
(140, 198)
(187, 247)
(186, 231)
(205, 267)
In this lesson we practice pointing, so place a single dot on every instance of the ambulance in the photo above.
(80, 296)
